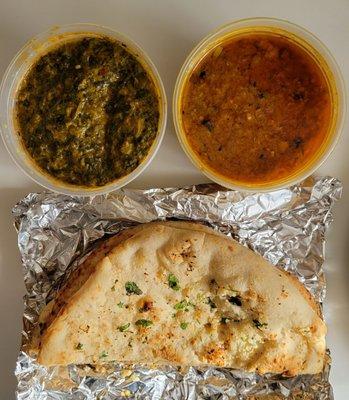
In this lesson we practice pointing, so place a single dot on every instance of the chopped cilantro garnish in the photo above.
(200, 296)
(173, 282)
(104, 354)
(132, 288)
(224, 320)
(124, 328)
(144, 322)
(183, 305)
(259, 324)
(184, 325)
(79, 346)
(211, 303)
(120, 304)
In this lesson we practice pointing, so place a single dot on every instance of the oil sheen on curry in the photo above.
(256, 108)
(87, 111)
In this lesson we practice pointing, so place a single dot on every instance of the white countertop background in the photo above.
(168, 30)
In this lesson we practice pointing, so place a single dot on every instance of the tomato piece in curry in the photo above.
(256, 108)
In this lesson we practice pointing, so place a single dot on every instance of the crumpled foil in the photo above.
(56, 232)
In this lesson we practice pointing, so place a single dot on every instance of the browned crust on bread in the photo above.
(304, 292)
(80, 275)
(166, 245)
(302, 289)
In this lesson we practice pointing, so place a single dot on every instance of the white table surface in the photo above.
(168, 30)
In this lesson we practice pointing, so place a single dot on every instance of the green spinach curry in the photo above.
(87, 111)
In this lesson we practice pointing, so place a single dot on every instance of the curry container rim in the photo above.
(20, 65)
(213, 38)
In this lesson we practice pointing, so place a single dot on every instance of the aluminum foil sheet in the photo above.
(55, 233)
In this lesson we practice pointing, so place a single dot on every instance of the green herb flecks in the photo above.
(184, 325)
(132, 288)
(173, 282)
(124, 328)
(120, 304)
(79, 346)
(104, 354)
(259, 324)
(183, 305)
(144, 322)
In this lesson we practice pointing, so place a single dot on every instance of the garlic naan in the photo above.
(180, 293)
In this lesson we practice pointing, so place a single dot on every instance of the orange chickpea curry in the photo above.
(256, 109)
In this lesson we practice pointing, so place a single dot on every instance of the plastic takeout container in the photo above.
(315, 48)
(16, 71)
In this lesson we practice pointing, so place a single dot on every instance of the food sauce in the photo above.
(256, 109)
(87, 111)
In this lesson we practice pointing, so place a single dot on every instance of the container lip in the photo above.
(22, 160)
(288, 26)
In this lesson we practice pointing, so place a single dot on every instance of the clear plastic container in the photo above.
(314, 47)
(17, 70)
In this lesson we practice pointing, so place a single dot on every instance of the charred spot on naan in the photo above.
(213, 353)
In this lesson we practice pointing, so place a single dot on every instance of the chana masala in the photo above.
(256, 108)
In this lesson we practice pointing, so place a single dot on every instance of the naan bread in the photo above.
(81, 274)
(180, 293)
